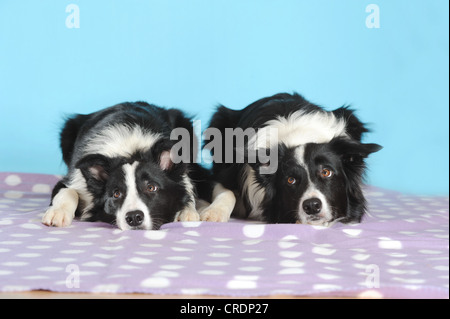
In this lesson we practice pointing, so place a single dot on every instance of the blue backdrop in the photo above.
(390, 61)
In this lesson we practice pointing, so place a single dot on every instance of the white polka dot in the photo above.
(241, 284)
(429, 252)
(192, 233)
(252, 242)
(253, 231)
(172, 267)
(253, 259)
(211, 272)
(59, 232)
(13, 180)
(288, 242)
(323, 251)
(15, 263)
(41, 188)
(387, 243)
(219, 255)
(360, 257)
(326, 287)
(30, 226)
(403, 272)
(155, 234)
(106, 288)
(156, 282)
(116, 240)
(328, 276)
(290, 254)
(250, 268)
(72, 251)
(216, 263)
(139, 260)
(6, 222)
(182, 249)
(81, 243)
(5, 272)
(63, 260)
(166, 273)
(291, 271)
(50, 268)
(178, 258)
(443, 268)
(13, 194)
(28, 255)
(409, 280)
(221, 239)
(146, 253)
(94, 264)
(112, 248)
(186, 242)
(352, 232)
(291, 263)
(327, 261)
(191, 224)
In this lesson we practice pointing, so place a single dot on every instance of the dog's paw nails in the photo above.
(214, 215)
(188, 216)
(57, 217)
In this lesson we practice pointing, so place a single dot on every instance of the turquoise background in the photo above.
(198, 53)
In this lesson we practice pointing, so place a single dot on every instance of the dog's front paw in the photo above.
(187, 215)
(57, 216)
(215, 214)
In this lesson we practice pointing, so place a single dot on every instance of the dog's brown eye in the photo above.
(326, 173)
(152, 188)
(291, 180)
(117, 194)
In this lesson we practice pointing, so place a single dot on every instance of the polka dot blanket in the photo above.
(400, 250)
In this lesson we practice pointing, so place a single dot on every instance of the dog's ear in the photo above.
(95, 167)
(353, 151)
(162, 154)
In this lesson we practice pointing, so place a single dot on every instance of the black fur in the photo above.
(104, 175)
(281, 202)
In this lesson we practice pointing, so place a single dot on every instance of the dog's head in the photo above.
(316, 184)
(138, 192)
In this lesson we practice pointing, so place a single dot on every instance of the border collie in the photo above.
(320, 168)
(121, 170)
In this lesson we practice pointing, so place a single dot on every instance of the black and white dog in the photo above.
(121, 170)
(319, 164)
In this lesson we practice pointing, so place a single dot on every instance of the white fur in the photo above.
(132, 200)
(120, 140)
(189, 213)
(300, 128)
(62, 210)
(255, 194)
(223, 201)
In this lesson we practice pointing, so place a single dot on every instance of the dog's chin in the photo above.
(316, 221)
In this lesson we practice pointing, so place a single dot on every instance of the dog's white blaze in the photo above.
(325, 214)
(301, 128)
(121, 140)
(132, 200)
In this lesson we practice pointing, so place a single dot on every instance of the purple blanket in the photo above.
(400, 250)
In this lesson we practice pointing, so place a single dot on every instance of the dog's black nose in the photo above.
(134, 218)
(312, 206)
